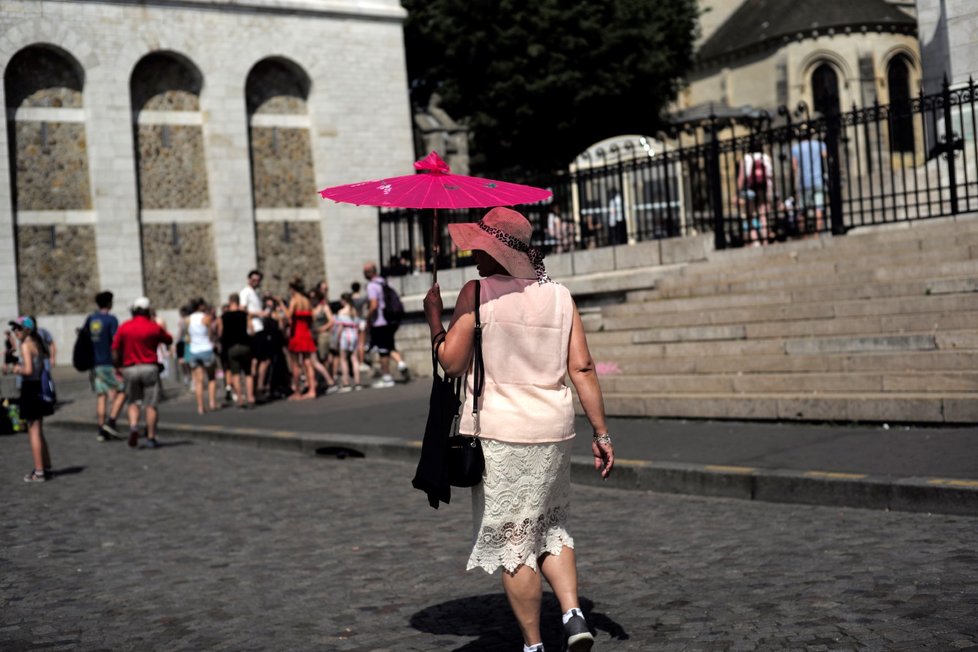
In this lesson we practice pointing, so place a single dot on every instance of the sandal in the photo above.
(34, 476)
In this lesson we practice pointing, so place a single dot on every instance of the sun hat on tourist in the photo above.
(504, 234)
(142, 303)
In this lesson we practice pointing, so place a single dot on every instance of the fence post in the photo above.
(950, 144)
(833, 127)
(716, 187)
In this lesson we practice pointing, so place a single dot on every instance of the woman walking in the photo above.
(200, 354)
(34, 355)
(532, 335)
(301, 345)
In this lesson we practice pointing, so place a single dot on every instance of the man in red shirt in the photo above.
(134, 354)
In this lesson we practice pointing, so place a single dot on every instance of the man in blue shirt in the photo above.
(807, 161)
(101, 326)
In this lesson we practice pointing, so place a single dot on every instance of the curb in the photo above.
(914, 494)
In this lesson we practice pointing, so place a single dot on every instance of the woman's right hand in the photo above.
(433, 305)
(604, 457)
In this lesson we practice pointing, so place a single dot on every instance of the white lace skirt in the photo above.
(521, 506)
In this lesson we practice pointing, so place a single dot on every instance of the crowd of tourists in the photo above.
(296, 347)
(264, 347)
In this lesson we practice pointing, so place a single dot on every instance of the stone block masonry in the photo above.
(288, 249)
(52, 166)
(58, 269)
(179, 264)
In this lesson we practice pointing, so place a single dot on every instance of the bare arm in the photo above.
(26, 359)
(584, 376)
(455, 352)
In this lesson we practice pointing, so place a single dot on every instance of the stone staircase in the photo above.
(877, 326)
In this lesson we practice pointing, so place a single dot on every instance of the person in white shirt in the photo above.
(251, 301)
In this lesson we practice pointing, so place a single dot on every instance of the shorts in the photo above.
(105, 380)
(142, 384)
(322, 345)
(239, 359)
(32, 406)
(261, 347)
(812, 198)
(382, 339)
(204, 359)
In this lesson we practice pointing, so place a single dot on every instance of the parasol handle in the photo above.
(434, 248)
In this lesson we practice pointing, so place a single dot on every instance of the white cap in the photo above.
(142, 303)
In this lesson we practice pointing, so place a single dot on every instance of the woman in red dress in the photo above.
(301, 344)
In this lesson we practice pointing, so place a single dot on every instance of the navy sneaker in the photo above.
(579, 638)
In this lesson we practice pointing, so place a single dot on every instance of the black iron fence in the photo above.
(750, 180)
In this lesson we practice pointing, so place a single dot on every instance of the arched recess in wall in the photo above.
(57, 268)
(898, 84)
(288, 236)
(825, 89)
(171, 172)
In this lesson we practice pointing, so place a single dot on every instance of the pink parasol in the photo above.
(436, 187)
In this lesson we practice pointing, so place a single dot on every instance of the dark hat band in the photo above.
(511, 241)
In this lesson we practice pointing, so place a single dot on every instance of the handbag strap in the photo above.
(478, 367)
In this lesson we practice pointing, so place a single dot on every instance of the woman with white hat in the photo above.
(532, 337)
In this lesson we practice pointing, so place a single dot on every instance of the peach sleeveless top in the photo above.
(525, 335)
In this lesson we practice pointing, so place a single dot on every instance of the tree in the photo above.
(538, 82)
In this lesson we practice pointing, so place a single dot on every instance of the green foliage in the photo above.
(538, 82)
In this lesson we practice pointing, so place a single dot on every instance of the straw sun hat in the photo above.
(504, 234)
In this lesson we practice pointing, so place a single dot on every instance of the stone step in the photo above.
(618, 318)
(648, 301)
(896, 407)
(860, 325)
(915, 361)
(817, 383)
(860, 277)
(609, 347)
(841, 262)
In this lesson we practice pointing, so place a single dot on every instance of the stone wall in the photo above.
(178, 263)
(59, 274)
(289, 249)
(52, 166)
(282, 168)
(172, 172)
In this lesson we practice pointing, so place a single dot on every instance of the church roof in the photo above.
(761, 24)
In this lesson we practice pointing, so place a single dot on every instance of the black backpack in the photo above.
(393, 308)
(83, 355)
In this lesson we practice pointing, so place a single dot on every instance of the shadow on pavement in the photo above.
(68, 470)
(489, 618)
(170, 444)
(339, 452)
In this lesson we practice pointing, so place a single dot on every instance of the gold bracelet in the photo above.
(603, 439)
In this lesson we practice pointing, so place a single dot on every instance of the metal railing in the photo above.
(827, 173)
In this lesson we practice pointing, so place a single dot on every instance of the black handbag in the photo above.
(448, 458)
(465, 459)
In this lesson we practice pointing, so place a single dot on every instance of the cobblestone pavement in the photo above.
(198, 546)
